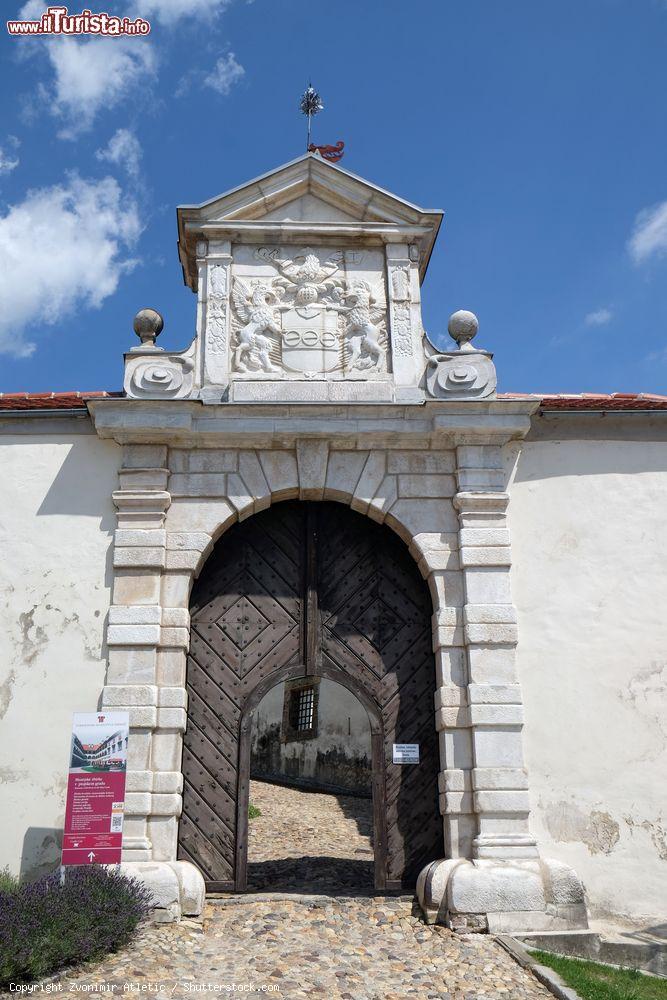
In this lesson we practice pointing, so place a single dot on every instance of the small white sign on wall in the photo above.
(406, 753)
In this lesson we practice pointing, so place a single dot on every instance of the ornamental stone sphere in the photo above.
(148, 325)
(463, 326)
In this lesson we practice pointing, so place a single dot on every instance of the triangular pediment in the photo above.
(306, 191)
(308, 208)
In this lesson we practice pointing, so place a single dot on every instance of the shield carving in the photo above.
(310, 340)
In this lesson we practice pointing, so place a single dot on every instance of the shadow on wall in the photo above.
(333, 756)
(82, 487)
(647, 934)
(41, 851)
(84, 482)
(333, 770)
(541, 457)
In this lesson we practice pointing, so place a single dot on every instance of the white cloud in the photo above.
(226, 72)
(8, 160)
(650, 234)
(7, 164)
(62, 248)
(124, 150)
(659, 356)
(97, 74)
(32, 10)
(165, 12)
(93, 75)
(600, 317)
(168, 12)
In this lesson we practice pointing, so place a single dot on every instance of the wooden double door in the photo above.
(309, 589)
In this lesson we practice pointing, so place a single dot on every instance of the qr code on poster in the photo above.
(117, 823)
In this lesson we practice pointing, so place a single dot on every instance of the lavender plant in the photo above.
(8, 882)
(45, 925)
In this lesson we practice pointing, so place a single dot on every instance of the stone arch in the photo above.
(433, 473)
(370, 482)
(386, 650)
(210, 489)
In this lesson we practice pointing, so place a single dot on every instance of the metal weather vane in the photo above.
(311, 104)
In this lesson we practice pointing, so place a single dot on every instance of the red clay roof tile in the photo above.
(559, 401)
(50, 400)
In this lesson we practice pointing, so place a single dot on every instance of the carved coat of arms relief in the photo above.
(310, 321)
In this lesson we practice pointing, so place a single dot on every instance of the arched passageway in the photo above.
(309, 590)
(310, 821)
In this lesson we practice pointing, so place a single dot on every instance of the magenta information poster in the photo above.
(96, 789)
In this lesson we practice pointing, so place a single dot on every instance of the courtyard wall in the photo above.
(589, 552)
(338, 757)
(56, 529)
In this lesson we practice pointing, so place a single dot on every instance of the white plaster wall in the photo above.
(589, 579)
(56, 524)
(342, 726)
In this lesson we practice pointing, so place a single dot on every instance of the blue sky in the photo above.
(538, 126)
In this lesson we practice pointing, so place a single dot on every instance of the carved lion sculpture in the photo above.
(253, 308)
(363, 335)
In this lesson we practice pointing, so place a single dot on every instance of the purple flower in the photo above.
(45, 925)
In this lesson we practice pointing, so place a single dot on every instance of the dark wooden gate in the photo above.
(309, 589)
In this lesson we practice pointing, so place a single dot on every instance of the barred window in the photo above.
(300, 711)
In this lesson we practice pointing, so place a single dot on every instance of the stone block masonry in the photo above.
(445, 501)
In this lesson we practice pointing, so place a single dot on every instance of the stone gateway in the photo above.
(313, 491)
(309, 589)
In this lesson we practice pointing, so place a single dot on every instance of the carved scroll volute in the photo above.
(463, 374)
(450, 376)
(150, 372)
(165, 376)
(216, 332)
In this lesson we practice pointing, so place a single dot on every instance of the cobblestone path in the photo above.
(308, 940)
(305, 841)
(344, 949)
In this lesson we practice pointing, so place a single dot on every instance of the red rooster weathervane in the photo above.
(311, 104)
